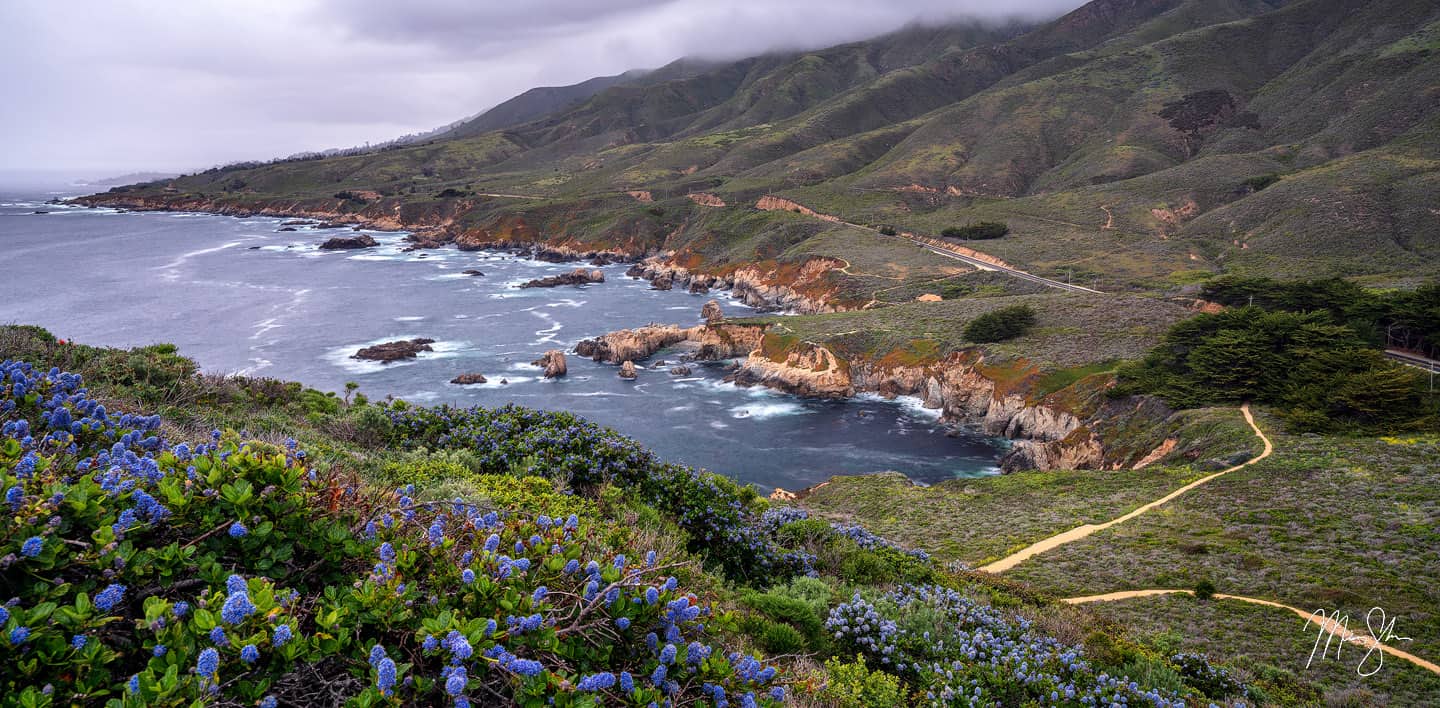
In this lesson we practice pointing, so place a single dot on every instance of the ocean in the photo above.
(239, 296)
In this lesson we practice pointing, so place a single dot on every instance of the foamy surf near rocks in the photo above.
(395, 351)
(340, 243)
(579, 276)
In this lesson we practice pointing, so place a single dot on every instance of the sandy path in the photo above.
(1080, 532)
(1330, 625)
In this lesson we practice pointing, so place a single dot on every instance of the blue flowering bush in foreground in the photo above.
(716, 512)
(137, 572)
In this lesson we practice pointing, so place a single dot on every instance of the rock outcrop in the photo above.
(711, 312)
(579, 276)
(631, 344)
(348, 242)
(553, 362)
(800, 287)
(680, 371)
(472, 272)
(468, 379)
(627, 370)
(812, 371)
(394, 351)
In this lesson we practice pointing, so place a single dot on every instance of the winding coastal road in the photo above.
(1415, 360)
(1080, 532)
(934, 245)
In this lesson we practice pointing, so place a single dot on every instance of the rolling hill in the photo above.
(1135, 144)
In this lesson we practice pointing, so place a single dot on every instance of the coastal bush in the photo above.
(1322, 375)
(979, 231)
(713, 510)
(1408, 319)
(1000, 325)
(960, 652)
(853, 685)
(144, 573)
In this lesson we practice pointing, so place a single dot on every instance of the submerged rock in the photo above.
(395, 351)
(471, 272)
(579, 276)
(468, 379)
(286, 228)
(627, 370)
(554, 363)
(680, 371)
(341, 242)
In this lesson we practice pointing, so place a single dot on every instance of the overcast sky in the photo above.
(112, 86)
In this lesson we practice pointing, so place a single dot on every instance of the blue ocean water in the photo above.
(239, 296)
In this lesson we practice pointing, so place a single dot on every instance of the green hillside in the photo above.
(1129, 141)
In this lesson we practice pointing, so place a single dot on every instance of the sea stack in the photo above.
(554, 363)
(627, 370)
(711, 312)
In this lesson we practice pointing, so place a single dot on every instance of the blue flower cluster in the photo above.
(583, 455)
(964, 653)
(779, 516)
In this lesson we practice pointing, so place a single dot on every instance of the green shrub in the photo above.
(979, 231)
(852, 685)
(887, 230)
(1322, 375)
(1204, 590)
(812, 591)
(781, 609)
(1000, 325)
(774, 637)
(1259, 182)
(867, 567)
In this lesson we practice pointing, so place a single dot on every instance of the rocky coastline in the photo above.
(1049, 433)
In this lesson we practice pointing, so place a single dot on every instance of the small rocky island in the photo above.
(468, 379)
(553, 362)
(579, 276)
(348, 242)
(394, 351)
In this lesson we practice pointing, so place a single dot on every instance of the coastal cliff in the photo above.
(1075, 426)
(796, 287)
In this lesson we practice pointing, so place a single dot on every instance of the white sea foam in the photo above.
(410, 318)
(171, 270)
(912, 406)
(763, 411)
(342, 356)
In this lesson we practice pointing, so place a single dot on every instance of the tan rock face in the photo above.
(554, 363)
(929, 297)
(711, 312)
(706, 199)
(627, 370)
(813, 372)
(631, 344)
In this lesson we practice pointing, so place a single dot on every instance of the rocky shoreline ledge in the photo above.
(1052, 432)
(1060, 429)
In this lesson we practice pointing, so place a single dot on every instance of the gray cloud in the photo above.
(139, 84)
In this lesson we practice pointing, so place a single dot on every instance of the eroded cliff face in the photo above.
(710, 342)
(1062, 430)
(797, 287)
